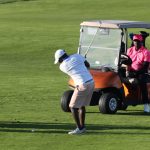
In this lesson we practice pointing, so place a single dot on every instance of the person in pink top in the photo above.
(140, 57)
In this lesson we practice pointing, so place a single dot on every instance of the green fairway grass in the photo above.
(31, 85)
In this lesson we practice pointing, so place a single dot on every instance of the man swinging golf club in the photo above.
(76, 67)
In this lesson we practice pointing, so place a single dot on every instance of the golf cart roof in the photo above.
(116, 24)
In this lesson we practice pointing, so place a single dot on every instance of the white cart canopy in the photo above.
(116, 24)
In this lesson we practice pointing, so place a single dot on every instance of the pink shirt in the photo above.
(138, 57)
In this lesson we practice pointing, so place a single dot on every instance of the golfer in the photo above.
(76, 67)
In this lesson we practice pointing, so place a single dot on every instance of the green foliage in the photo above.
(31, 85)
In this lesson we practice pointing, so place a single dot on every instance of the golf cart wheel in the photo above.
(108, 103)
(65, 100)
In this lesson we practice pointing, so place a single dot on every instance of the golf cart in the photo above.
(104, 43)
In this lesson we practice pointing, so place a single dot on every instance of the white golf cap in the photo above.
(58, 54)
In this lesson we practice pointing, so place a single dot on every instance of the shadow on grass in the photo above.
(133, 113)
(127, 113)
(34, 127)
(63, 128)
(12, 1)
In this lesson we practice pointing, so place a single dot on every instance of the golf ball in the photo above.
(32, 130)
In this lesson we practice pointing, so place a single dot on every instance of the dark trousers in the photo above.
(143, 79)
(142, 82)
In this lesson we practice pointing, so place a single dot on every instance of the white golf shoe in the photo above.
(146, 108)
(77, 131)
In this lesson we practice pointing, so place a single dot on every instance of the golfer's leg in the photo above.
(82, 116)
(75, 114)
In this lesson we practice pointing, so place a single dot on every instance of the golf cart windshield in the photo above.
(100, 46)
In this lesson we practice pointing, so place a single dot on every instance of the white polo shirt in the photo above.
(74, 66)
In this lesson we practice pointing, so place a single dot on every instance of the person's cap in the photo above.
(137, 37)
(59, 53)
